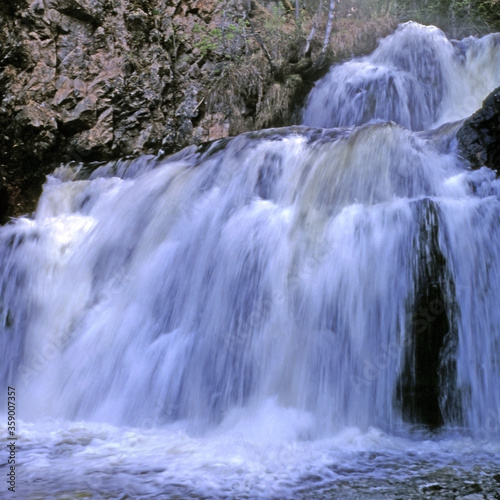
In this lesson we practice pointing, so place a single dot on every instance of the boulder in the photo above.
(82, 117)
(93, 144)
(37, 116)
(479, 136)
(91, 11)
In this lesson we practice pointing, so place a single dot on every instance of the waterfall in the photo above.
(286, 286)
(416, 77)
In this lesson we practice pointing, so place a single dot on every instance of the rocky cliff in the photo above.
(92, 80)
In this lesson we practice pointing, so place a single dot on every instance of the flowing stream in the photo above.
(305, 312)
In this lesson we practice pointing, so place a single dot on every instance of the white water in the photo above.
(416, 77)
(234, 321)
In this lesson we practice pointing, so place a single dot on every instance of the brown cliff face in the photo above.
(92, 80)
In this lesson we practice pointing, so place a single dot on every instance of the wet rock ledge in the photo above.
(479, 136)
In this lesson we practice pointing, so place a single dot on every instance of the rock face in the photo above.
(479, 136)
(98, 76)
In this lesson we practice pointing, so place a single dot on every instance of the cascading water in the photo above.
(278, 315)
(416, 77)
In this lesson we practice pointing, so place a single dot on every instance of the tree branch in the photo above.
(260, 42)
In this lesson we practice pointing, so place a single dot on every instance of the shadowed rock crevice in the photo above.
(427, 392)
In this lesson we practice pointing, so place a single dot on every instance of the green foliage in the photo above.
(226, 39)
(283, 35)
(457, 17)
(488, 11)
(209, 41)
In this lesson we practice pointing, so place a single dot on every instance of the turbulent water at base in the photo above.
(302, 312)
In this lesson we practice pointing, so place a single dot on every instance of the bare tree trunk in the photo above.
(329, 26)
(388, 5)
(297, 11)
(384, 6)
(309, 39)
(313, 29)
(453, 20)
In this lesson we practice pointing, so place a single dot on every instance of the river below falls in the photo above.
(80, 460)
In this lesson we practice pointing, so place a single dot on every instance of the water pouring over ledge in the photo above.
(416, 77)
(274, 315)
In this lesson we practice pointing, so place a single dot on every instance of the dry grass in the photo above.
(238, 91)
(277, 105)
(354, 37)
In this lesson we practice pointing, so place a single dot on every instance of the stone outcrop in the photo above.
(479, 136)
(82, 67)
